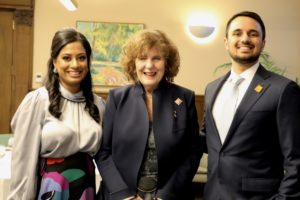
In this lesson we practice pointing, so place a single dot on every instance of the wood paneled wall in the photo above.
(19, 4)
(199, 105)
(16, 49)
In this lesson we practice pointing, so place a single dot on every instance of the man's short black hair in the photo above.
(250, 14)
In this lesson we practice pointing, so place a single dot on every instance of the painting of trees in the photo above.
(107, 39)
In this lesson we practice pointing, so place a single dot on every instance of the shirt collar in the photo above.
(247, 74)
(76, 97)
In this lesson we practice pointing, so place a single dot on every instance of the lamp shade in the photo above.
(201, 27)
(201, 31)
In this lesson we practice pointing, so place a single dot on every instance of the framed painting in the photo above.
(107, 39)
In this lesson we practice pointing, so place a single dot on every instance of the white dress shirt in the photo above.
(218, 105)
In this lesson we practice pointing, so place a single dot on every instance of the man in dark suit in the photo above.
(256, 155)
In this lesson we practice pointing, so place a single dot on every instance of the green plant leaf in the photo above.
(223, 66)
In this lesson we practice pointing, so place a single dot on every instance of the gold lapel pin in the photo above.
(258, 88)
(178, 101)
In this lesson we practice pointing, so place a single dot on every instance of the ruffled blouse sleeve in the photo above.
(26, 126)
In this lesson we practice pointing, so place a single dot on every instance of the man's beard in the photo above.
(246, 60)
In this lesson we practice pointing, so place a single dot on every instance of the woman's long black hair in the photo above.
(61, 39)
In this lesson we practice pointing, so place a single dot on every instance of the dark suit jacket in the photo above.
(125, 134)
(262, 143)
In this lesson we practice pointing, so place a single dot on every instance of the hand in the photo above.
(133, 198)
(130, 198)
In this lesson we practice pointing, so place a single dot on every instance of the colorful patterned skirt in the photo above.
(68, 178)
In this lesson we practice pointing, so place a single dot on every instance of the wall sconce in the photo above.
(70, 5)
(201, 27)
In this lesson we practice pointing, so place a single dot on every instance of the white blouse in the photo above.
(39, 134)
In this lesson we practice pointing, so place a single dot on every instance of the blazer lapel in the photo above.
(210, 100)
(255, 90)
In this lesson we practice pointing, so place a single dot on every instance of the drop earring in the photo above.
(54, 70)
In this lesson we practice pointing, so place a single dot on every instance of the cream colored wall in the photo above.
(281, 17)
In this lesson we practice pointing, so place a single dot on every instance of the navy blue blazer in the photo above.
(260, 157)
(125, 134)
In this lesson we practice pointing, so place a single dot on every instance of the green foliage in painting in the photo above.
(106, 40)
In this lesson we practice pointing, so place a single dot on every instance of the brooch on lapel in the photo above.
(178, 101)
(258, 88)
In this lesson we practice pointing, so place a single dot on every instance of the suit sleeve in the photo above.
(185, 172)
(110, 175)
(288, 120)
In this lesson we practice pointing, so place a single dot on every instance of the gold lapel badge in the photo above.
(178, 101)
(258, 88)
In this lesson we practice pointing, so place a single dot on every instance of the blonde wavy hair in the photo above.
(142, 42)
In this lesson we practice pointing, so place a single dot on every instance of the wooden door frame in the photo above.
(22, 53)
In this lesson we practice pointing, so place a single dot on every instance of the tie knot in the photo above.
(237, 80)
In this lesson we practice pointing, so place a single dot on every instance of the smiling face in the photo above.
(150, 68)
(244, 41)
(72, 66)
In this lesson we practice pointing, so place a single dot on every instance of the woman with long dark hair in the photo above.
(57, 128)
